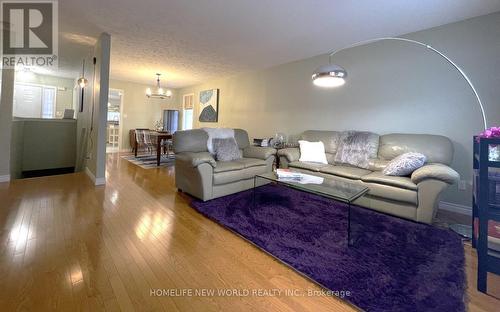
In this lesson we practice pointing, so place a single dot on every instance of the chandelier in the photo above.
(159, 92)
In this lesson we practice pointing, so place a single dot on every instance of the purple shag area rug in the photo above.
(393, 265)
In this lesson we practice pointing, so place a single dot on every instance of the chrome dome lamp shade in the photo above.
(329, 76)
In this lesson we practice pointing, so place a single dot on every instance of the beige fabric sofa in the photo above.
(200, 175)
(414, 197)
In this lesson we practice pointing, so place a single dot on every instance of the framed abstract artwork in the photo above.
(209, 105)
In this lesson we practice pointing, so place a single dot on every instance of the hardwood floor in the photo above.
(67, 245)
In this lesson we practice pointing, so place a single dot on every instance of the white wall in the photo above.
(138, 111)
(392, 87)
(91, 123)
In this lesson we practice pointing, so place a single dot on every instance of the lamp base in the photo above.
(463, 230)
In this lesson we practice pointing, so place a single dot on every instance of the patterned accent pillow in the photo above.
(226, 149)
(404, 164)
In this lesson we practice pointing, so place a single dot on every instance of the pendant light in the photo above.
(82, 81)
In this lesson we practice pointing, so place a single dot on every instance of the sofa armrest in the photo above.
(291, 153)
(437, 172)
(196, 159)
(259, 152)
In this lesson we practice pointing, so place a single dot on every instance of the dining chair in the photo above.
(150, 141)
(167, 146)
(142, 139)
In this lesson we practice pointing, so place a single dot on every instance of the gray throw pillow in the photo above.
(404, 164)
(356, 148)
(226, 149)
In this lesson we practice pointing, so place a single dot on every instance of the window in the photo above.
(187, 112)
(34, 101)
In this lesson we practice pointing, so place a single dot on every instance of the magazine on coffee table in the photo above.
(285, 175)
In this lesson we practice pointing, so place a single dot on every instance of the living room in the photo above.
(296, 156)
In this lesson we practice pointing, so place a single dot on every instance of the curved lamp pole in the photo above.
(333, 75)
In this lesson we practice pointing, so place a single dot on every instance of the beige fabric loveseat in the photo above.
(414, 197)
(199, 174)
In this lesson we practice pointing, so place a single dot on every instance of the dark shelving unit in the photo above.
(485, 208)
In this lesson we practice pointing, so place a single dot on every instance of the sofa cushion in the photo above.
(379, 177)
(376, 164)
(251, 162)
(226, 149)
(217, 133)
(392, 193)
(237, 175)
(194, 140)
(404, 164)
(223, 166)
(241, 137)
(345, 171)
(356, 147)
(306, 165)
(437, 148)
(312, 152)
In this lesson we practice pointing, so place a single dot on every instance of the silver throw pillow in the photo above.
(356, 148)
(226, 149)
(404, 164)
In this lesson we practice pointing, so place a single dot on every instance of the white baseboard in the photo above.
(96, 181)
(5, 178)
(461, 209)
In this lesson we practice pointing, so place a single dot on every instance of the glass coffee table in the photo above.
(333, 188)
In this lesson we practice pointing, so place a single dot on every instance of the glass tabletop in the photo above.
(336, 188)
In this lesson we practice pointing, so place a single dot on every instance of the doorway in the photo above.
(113, 129)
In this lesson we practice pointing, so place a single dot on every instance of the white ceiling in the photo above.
(189, 41)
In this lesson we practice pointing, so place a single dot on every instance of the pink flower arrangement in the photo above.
(493, 132)
(494, 149)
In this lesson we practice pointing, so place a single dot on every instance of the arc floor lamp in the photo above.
(333, 75)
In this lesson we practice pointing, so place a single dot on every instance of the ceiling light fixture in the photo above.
(159, 93)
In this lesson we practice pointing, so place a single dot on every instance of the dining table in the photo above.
(160, 137)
